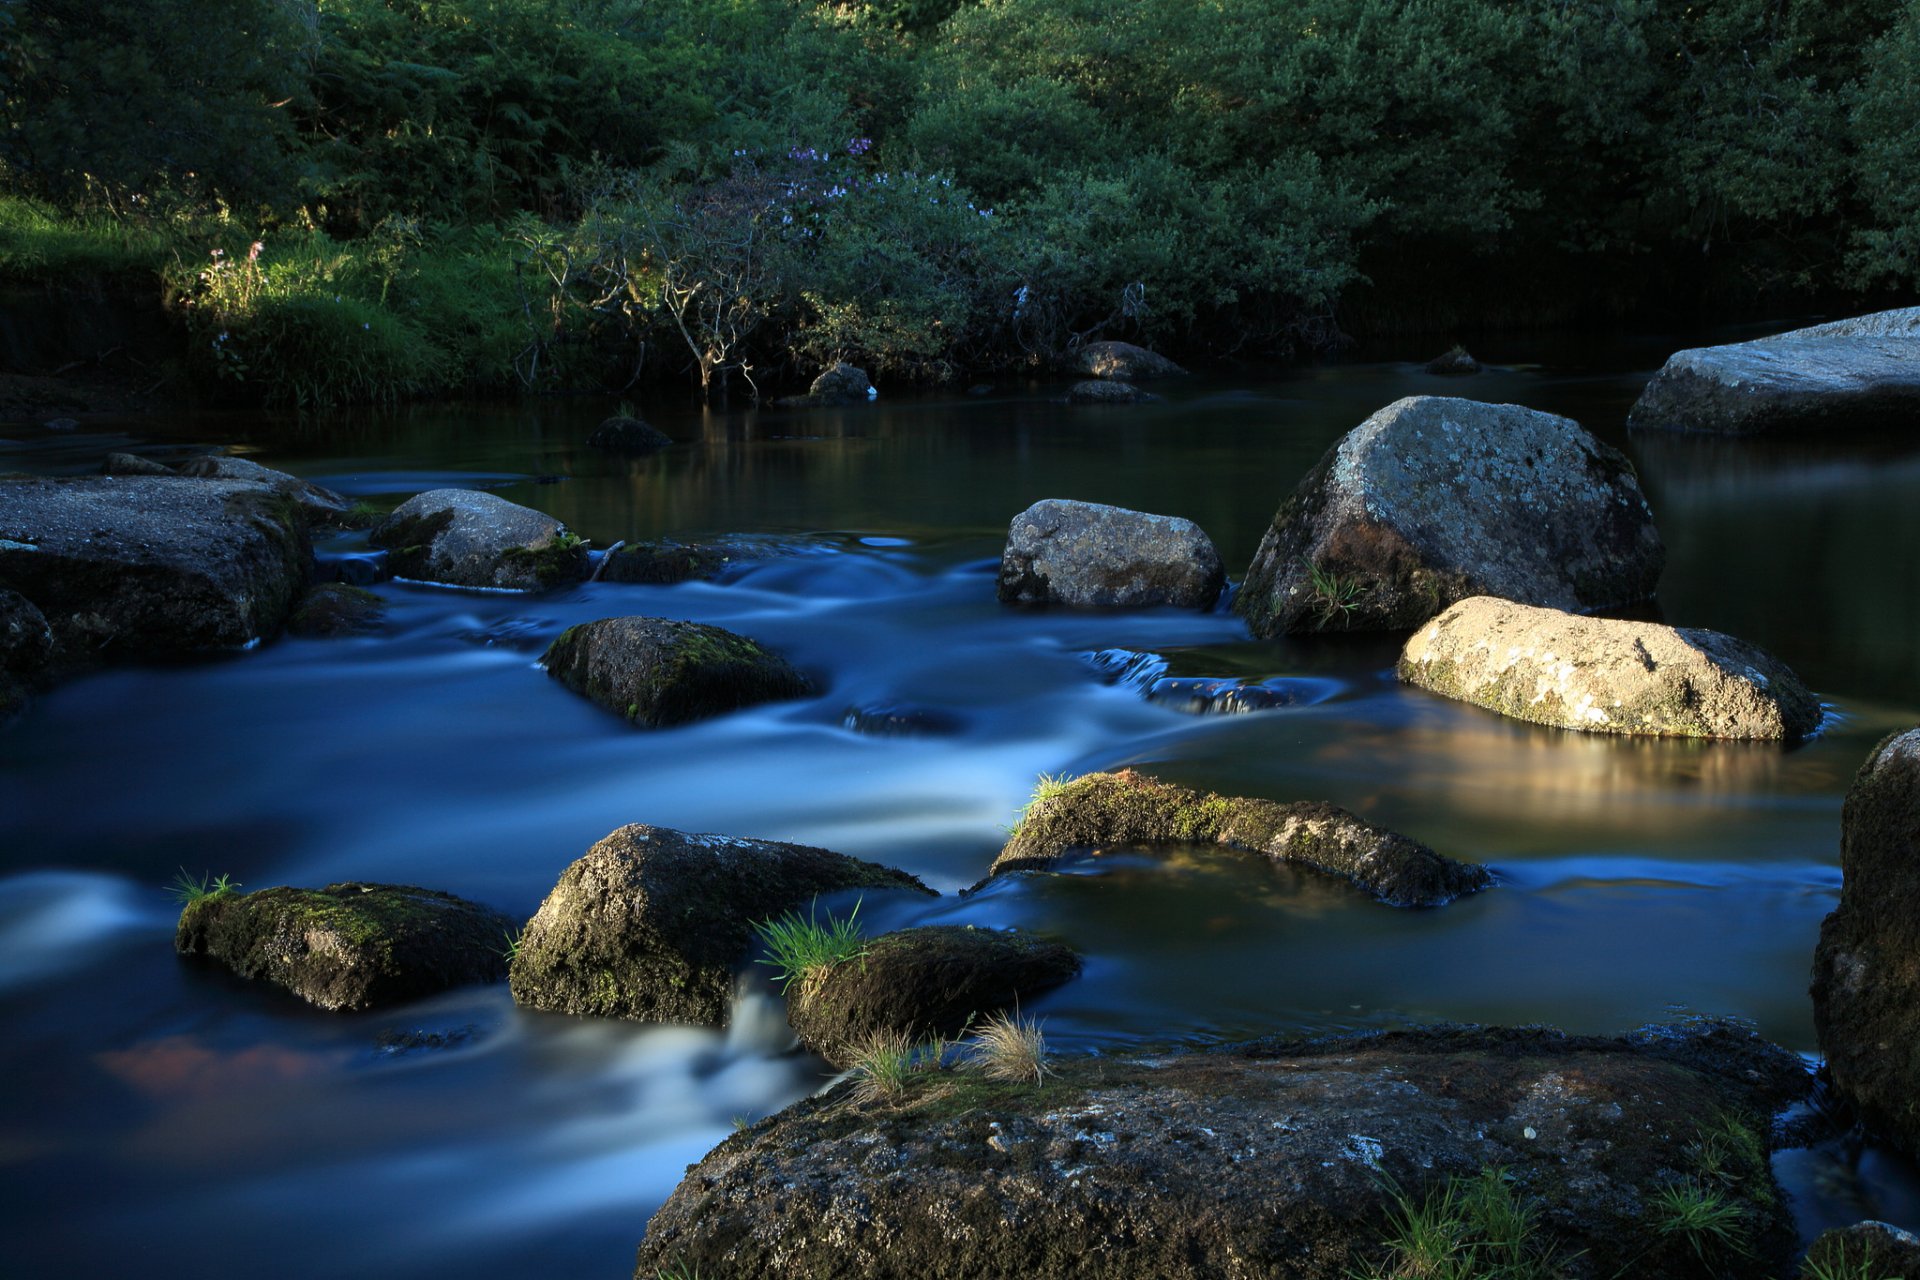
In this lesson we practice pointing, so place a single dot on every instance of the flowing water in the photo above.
(164, 1119)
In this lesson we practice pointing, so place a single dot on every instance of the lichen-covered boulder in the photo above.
(1089, 555)
(334, 609)
(1123, 361)
(465, 538)
(1862, 372)
(1866, 968)
(624, 434)
(145, 566)
(1434, 499)
(658, 672)
(1100, 391)
(1274, 1161)
(1607, 675)
(653, 923)
(316, 503)
(1102, 810)
(1876, 1250)
(349, 946)
(923, 983)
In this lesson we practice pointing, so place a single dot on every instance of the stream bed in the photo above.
(162, 1118)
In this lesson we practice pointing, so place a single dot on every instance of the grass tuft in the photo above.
(1048, 786)
(1335, 596)
(187, 890)
(1469, 1229)
(797, 946)
(881, 1064)
(1704, 1218)
(1009, 1047)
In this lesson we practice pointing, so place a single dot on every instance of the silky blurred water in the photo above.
(163, 1119)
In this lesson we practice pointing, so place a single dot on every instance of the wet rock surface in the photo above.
(317, 504)
(1099, 391)
(1102, 810)
(902, 720)
(1088, 555)
(1122, 360)
(137, 566)
(1150, 675)
(923, 983)
(335, 609)
(1866, 968)
(1265, 1160)
(1607, 675)
(1861, 372)
(667, 562)
(652, 923)
(349, 946)
(464, 538)
(657, 672)
(624, 434)
(1434, 499)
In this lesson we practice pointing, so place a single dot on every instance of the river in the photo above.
(164, 1119)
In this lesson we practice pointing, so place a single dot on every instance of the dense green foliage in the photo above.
(478, 193)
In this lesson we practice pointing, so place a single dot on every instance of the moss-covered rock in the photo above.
(658, 672)
(145, 566)
(625, 434)
(1121, 360)
(1607, 675)
(464, 538)
(1866, 969)
(349, 946)
(1274, 1161)
(1102, 810)
(337, 609)
(1433, 500)
(666, 562)
(653, 923)
(923, 983)
(1092, 556)
(1864, 1251)
(1860, 372)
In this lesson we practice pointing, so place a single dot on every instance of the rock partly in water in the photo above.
(1149, 674)
(26, 641)
(1123, 361)
(1435, 499)
(1607, 675)
(1863, 372)
(464, 538)
(1863, 1251)
(349, 946)
(138, 566)
(337, 609)
(1098, 391)
(132, 464)
(653, 924)
(625, 434)
(1866, 969)
(1275, 1161)
(925, 983)
(902, 720)
(843, 384)
(316, 503)
(1088, 555)
(1455, 362)
(1102, 810)
(658, 672)
(664, 563)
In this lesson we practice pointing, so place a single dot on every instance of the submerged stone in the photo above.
(1272, 1161)
(667, 562)
(465, 538)
(658, 672)
(1434, 499)
(1866, 968)
(923, 983)
(1089, 555)
(653, 923)
(1122, 360)
(349, 946)
(337, 609)
(1101, 810)
(1607, 675)
(1862, 372)
(902, 720)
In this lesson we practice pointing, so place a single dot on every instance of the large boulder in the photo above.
(1866, 968)
(843, 384)
(1123, 361)
(139, 566)
(925, 983)
(1861, 372)
(653, 924)
(1093, 556)
(1607, 675)
(349, 946)
(1435, 499)
(658, 672)
(316, 503)
(465, 538)
(1276, 1161)
(1102, 810)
